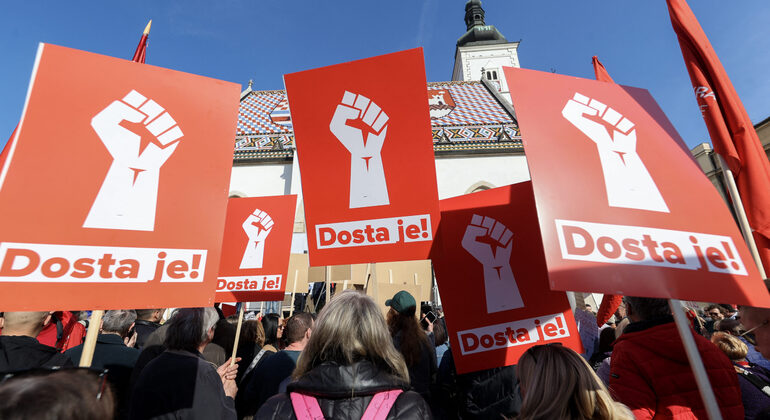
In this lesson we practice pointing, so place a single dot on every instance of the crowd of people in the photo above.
(351, 362)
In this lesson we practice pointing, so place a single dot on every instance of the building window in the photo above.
(491, 74)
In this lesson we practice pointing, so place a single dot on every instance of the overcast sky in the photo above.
(238, 40)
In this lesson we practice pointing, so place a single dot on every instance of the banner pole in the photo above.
(237, 333)
(94, 324)
(740, 212)
(367, 276)
(293, 292)
(696, 363)
(326, 281)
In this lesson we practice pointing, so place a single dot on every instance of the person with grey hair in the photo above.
(112, 353)
(180, 383)
(650, 372)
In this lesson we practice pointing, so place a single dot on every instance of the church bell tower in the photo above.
(482, 51)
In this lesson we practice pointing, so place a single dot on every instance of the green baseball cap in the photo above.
(401, 301)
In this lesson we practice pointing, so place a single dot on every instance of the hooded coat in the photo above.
(650, 373)
(344, 391)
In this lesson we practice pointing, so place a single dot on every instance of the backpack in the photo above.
(307, 408)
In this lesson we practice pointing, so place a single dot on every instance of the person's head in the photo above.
(402, 321)
(25, 323)
(728, 310)
(556, 383)
(252, 332)
(735, 349)
(349, 329)
(730, 326)
(152, 315)
(191, 329)
(643, 309)
(606, 338)
(118, 322)
(271, 323)
(756, 321)
(588, 307)
(298, 330)
(715, 312)
(66, 394)
(439, 332)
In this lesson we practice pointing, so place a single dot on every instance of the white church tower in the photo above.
(483, 51)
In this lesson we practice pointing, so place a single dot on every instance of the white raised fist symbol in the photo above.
(627, 181)
(491, 243)
(128, 196)
(360, 125)
(257, 226)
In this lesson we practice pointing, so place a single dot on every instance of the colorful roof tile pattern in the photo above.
(471, 103)
(464, 115)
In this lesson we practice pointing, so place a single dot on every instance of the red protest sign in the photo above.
(366, 156)
(623, 207)
(256, 248)
(491, 271)
(114, 195)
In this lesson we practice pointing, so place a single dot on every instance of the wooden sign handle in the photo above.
(87, 356)
(237, 333)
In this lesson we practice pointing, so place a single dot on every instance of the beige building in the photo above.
(707, 159)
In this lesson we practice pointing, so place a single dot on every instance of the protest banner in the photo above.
(113, 194)
(365, 152)
(256, 248)
(491, 272)
(627, 209)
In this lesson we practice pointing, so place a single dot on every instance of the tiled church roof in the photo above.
(464, 115)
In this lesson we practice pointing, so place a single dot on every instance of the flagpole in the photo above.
(740, 213)
(696, 363)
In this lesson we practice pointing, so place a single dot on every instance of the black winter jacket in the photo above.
(18, 352)
(344, 392)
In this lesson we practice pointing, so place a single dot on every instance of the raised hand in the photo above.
(491, 244)
(627, 181)
(128, 196)
(361, 126)
(257, 226)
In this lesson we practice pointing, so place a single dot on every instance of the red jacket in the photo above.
(63, 332)
(650, 373)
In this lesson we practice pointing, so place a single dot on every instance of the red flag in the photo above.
(141, 49)
(600, 71)
(610, 303)
(7, 147)
(729, 126)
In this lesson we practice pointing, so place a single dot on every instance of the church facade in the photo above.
(476, 138)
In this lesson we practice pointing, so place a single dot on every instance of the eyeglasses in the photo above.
(767, 321)
(100, 373)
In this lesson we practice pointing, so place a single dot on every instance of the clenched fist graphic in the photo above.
(128, 196)
(491, 243)
(626, 179)
(257, 226)
(360, 125)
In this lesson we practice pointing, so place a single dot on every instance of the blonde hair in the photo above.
(351, 328)
(556, 383)
(732, 347)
